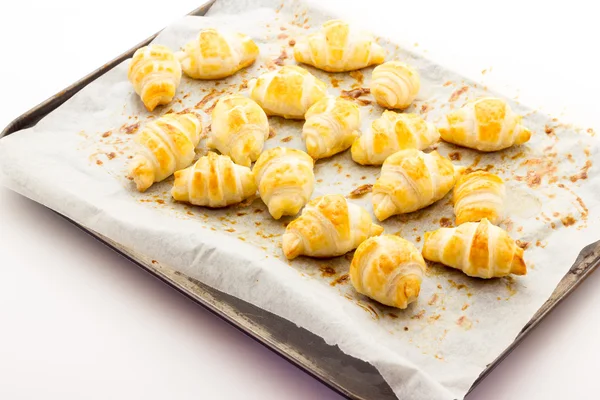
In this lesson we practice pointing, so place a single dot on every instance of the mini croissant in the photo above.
(166, 145)
(215, 54)
(285, 180)
(395, 84)
(288, 92)
(329, 226)
(337, 48)
(390, 133)
(479, 195)
(411, 180)
(331, 126)
(388, 269)
(487, 124)
(239, 129)
(213, 181)
(155, 74)
(479, 249)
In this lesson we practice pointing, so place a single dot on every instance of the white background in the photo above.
(77, 321)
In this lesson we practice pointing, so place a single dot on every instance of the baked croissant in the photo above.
(288, 92)
(337, 47)
(390, 133)
(239, 129)
(155, 74)
(409, 181)
(395, 84)
(388, 269)
(213, 181)
(166, 145)
(329, 226)
(331, 126)
(285, 180)
(217, 54)
(487, 124)
(479, 249)
(479, 195)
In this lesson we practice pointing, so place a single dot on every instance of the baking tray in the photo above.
(351, 377)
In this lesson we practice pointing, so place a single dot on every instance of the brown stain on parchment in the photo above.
(583, 174)
(457, 93)
(361, 191)
(326, 270)
(342, 279)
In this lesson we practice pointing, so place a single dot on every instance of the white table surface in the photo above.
(77, 321)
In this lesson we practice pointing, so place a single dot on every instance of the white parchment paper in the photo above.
(74, 161)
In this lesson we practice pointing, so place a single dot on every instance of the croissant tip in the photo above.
(518, 266)
(524, 135)
(383, 207)
(376, 230)
(291, 245)
(142, 173)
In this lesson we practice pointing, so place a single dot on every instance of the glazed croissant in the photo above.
(166, 145)
(390, 133)
(213, 181)
(329, 226)
(487, 124)
(395, 84)
(239, 129)
(155, 74)
(331, 126)
(215, 54)
(388, 269)
(411, 180)
(288, 92)
(285, 180)
(337, 47)
(479, 249)
(479, 195)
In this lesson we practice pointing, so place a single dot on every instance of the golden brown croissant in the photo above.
(329, 226)
(155, 74)
(388, 269)
(487, 124)
(239, 129)
(165, 146)
(395, 84)
(390, 133)
(479, 249)
(479, 195)
(411, 180)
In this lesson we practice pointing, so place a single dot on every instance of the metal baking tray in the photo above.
(351, 377)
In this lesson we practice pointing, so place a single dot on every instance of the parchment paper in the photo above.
(74, 161)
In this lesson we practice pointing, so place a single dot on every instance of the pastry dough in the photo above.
(337, 47)
(331, 126)
(288, 92)
(155, 74)
(395, 84)
(285, 180)
(411, 180)
(479, 249)
(479, 195)
(165, 146)
(487, 124)
(390, 133)
(213, 181)
(388, 269)
(329, 226)
(217, 54)
(239, 129)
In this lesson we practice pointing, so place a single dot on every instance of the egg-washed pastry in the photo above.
(239, 129)
(411, 180)
(479, 249)
(165, 146)
(388, 269)
(390, 133)
(329, 226)
(487, 124)
(288, 92)
(155, 74)
(479, 195)
(338, 47)
(331, 126)
(213, 181)
(395, 84)
(217, 54)
(285, 180)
